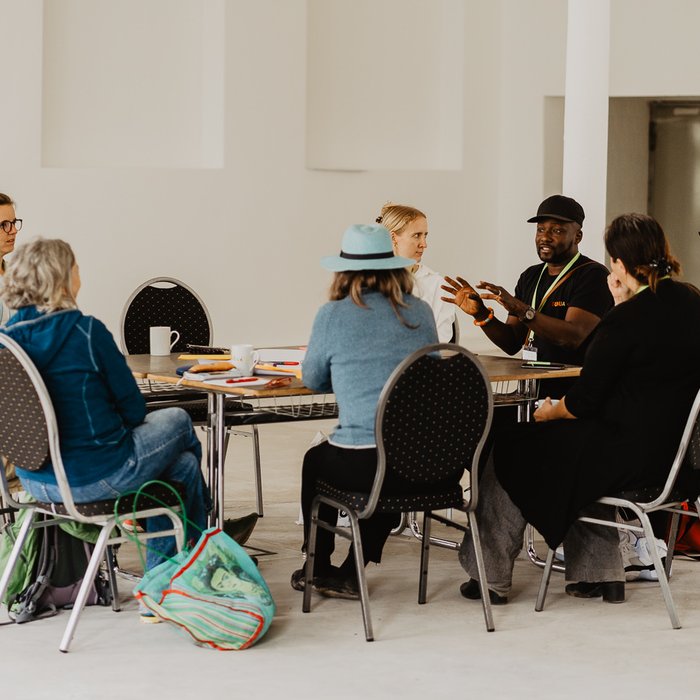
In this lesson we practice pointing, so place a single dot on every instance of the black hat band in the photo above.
(365, 256)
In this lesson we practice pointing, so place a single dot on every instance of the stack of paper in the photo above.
(280, 361)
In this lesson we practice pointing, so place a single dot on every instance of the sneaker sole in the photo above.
(150, 619)
(336, 593)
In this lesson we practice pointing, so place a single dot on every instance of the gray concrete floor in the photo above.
(573, 649)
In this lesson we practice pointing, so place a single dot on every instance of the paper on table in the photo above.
(207, 376)
(283, 362)
(258, 381)
(268, 355)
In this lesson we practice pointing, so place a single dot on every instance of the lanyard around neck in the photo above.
(551, 288)
(569, 265)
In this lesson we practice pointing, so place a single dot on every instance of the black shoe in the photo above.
(611, 591)
(470, 589)
(240, 529)
(297, 579)
(335, 587)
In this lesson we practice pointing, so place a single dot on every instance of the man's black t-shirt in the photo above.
(585, 288)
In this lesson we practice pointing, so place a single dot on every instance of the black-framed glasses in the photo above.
(7, 225)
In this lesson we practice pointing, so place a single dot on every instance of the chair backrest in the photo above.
(432, 420)
(688, 453)
(164, 301)
(28, 429)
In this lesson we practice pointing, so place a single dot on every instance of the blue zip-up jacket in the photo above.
(94, 394)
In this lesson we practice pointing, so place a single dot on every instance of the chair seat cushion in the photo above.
(152, 496)
(645, 494)
(448, 497)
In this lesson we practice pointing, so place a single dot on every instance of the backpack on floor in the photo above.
(56, 576)
(688, 537)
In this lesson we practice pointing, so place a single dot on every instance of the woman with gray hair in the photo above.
(108, 443)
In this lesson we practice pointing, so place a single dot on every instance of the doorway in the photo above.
(674, 179)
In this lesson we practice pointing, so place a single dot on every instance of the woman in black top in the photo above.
(618, 428)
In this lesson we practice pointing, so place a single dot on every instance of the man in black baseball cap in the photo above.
(556, 305)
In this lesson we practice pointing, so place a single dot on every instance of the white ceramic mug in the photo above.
(162, 340)
(244, 359)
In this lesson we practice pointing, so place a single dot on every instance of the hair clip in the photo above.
(379, 219)
(662, 265)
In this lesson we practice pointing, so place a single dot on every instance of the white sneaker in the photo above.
(636, 556)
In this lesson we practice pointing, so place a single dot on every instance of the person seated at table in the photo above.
(409, 236)
(9, 227)
(371, 323)
(109, 444)
(617, 429)
(555, 306)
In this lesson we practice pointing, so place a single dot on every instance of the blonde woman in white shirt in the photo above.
(409, 236)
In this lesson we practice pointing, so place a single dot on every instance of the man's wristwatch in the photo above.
(529, 315)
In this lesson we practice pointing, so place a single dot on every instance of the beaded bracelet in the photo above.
(488, 319)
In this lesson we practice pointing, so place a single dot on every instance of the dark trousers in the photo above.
(349, 470)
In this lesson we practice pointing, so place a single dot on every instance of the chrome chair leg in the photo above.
(544, 583)
(481, 569)
(424, 559)
(90, 573)
(310, 558)
(258, 472)
(403, 524)
(361, 577)
(16, 551)
(532, 552)
(111, 563)
(660, 571)
(671, 544)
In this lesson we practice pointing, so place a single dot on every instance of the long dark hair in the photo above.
(640, 243)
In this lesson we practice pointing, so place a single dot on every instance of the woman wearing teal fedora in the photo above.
(371, 323)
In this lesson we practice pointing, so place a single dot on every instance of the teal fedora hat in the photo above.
(365, 247)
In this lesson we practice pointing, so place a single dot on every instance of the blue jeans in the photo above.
(165, 447)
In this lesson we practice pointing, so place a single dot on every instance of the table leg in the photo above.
(219, 439)
(212, 458)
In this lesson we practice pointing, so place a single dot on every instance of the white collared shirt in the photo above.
(426, 286)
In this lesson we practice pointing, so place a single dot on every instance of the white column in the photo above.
(586, 116)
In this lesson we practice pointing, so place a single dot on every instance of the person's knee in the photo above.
(177, 418)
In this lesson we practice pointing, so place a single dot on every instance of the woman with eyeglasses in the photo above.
(9, 226)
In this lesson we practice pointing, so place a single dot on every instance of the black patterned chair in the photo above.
(682, 486)
(29, 437)
(166, 301)
(431, 423)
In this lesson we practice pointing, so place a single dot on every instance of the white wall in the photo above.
(248, 234)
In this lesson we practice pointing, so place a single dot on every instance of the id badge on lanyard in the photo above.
(529, 350)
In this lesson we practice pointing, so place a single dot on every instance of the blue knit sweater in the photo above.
(353, 351)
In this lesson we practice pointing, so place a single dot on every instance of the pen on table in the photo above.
(283, 364)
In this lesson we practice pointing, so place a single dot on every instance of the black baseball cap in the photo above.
(560, 208)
